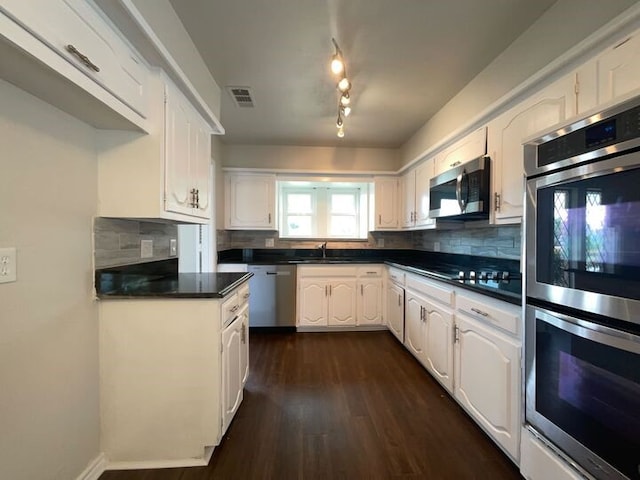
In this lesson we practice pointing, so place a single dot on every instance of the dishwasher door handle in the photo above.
(271, 273)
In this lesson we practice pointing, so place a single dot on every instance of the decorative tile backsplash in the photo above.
(495, 242)
(117, 241)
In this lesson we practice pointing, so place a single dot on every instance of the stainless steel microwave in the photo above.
(462, 193)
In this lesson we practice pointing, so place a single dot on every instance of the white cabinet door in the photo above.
(386, 203)
(424, 173)
(250, 201)
(369, 302)
(471, 146)
(178, 133)
(408, 204)
(74, 30)
(414, 334)
(342, 302)
(506, 132)
(487, 380)
(313, 294)
(244, 345)
(618, 69)
(231, 371)
(439, 344)
(395, 310)
(201, 172)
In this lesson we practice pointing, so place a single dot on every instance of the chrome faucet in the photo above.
(323, 247)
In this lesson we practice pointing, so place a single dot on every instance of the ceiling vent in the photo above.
(241, 96)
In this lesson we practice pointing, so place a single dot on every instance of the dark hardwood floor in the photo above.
(343, 406)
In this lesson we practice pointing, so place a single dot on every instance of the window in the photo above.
(323, 209)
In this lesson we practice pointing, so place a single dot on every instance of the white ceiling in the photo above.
(406, 59)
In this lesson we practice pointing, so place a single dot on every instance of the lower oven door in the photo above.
(583, 391)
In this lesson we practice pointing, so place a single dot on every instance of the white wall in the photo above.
(167, 26)
(335, 159)
(561, 27)
(49, 411)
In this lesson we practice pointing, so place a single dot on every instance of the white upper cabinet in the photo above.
(250, 201)
(188, 157)
(92, 52)
(470, 147)
(506, 133)
(161, 175)
(618, 69)
(386, 191)
(414, 207)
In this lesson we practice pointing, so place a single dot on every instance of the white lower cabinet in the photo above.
(235, 365)
(339, 296)
(171, 375)
(414, 334)
(439, 347)
(487, 380)
(395, 310)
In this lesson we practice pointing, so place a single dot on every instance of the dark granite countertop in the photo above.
(161, 280)
(439, 266)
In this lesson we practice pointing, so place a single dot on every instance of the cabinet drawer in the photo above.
(77, 32)
(327, 271)
(494, 312)
(374, 271)
(243, 294)
(230, 308)
(396, 276)
(431, 289)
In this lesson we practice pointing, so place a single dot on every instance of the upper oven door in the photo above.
(583, 238)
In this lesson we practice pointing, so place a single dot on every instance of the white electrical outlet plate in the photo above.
(146, 248)
(380, 242)
(436, 246)
(173, 247)
(269, 242)
(8, 266)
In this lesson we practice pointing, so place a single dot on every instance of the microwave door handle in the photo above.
(462, 202)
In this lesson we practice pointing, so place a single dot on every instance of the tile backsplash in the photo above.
(495, 242)
(117, 241)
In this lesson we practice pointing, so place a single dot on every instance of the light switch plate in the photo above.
(436, 246)
(269, 242)
(146, 248)
(8, 266)
(173, 247)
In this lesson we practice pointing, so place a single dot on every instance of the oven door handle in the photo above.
(462, 202)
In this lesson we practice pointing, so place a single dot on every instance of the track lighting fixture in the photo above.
(344, 87)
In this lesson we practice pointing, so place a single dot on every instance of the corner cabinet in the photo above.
(163, 175)
(387, 198)
(249, 201)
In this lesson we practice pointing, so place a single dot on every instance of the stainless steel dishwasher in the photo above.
(273, 296)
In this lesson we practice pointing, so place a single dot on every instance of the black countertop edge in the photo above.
(504, 295)
(161, 280)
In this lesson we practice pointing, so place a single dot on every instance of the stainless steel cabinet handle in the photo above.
(329, 290)
(83, 58)
(497, 204)
(326, 287)
(379, 219)
(479, 312)
(269, 218)
(399, 304)
(455, 164)
(235, 308)
(361, 289)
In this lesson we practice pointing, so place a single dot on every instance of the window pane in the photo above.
(343, 226)
(299, 225)
(299, 203)
(343, 203)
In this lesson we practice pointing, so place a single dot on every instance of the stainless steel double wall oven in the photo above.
(582, 316)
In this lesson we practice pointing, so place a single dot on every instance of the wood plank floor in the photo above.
(343, 406)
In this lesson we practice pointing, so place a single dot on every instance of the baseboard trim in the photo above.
(150, 464)
(96, 468)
